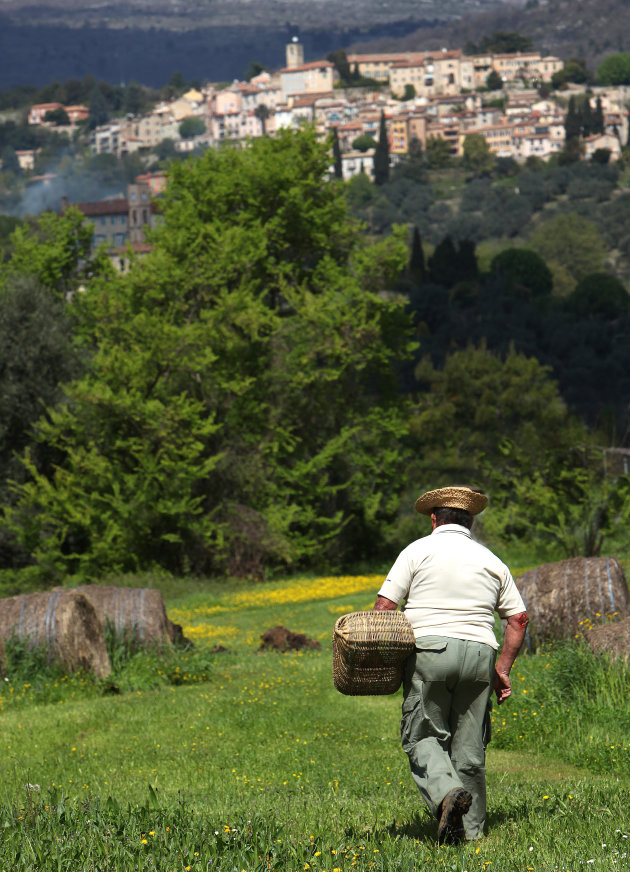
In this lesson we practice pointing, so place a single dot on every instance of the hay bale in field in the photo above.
(558, 596)
(281, 639)
(134, 610)
(64, 621)
(612, 639)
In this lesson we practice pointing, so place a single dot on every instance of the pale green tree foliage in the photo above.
(577, 509)
(572, 242)
(241, 410)
(55, 250)
(477, 154)
(497, 424)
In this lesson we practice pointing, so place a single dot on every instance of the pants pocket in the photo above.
(487, 724)
(412, 720)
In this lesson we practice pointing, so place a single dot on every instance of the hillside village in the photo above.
(423, 97)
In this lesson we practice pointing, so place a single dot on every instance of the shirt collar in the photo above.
(452, 528)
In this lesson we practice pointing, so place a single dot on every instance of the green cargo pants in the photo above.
(445, 725)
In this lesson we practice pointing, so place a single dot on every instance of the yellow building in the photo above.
(317, 77)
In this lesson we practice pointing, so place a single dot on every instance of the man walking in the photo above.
(451, 587)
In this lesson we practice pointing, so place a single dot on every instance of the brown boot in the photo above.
(454, 806)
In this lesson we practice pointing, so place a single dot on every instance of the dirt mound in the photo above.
(613, 639)
(64, 621)
(559, 596)
(281, 639)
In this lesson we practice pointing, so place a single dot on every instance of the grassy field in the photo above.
(247, 760)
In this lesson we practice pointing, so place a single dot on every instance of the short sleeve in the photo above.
(396, 585)
(510, 601)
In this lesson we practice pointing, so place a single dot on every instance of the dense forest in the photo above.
(297, 357)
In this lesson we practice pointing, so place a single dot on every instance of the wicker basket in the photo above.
(369, 650)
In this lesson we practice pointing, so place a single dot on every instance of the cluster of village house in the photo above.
(444, 102)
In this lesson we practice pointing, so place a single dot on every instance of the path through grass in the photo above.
(252, 761)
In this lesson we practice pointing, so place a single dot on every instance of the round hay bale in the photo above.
(612, 639)
(64, 621)
(132, 610)
(559, 596)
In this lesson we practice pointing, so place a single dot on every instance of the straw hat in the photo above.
(454, 497)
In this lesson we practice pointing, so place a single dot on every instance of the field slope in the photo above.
(247, 760)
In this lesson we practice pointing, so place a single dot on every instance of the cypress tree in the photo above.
(586, 118)
(99, 111)
(336, 150)
(417, 269)
(572, 122)
(467, 268)
(443, 267)
(381, 155)
(598, 117)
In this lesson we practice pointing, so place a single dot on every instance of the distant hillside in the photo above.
(147, 40)
(182, 15)
(590, 29)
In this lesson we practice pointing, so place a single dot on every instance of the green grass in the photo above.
(246, 760)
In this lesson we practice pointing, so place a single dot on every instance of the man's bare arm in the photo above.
(512, 641)
(383, 604)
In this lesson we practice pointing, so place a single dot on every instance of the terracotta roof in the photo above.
(313, 65)
(104, 207)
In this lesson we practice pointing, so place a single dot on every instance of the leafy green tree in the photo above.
(134, 99)
(409, 93)
(57, 116)
(496, 422)
(438, 153)
(191, 127)
(601, 295)
(381, 154)
(254, 69)
(36, 356)
(56, 252)
(165, 150)
(574, 70)
(526, 269)
(262, 112)
(494, 82)
(241, 409)
(340, 61)
(578, 508)
(504, 42)
(601, 156)
(10, 162)
(614, 69)
(571, 241)
(477, 154)
(364, 142)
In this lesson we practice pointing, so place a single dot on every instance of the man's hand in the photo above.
(383, 604)
(502, 686)
(512, 641)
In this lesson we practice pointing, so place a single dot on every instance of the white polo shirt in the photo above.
(452, 586)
